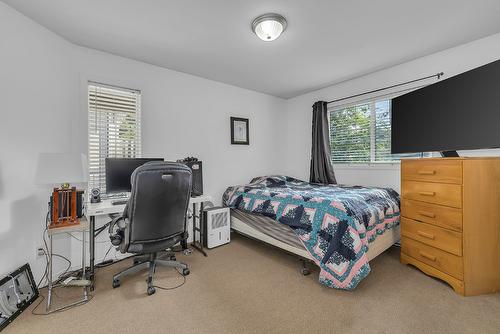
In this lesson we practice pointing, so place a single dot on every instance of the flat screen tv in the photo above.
(458, 113)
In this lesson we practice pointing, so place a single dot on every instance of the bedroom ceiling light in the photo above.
(269, 26)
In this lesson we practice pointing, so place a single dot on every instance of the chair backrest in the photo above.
(158, 203)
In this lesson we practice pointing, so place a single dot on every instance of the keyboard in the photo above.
(119, 202)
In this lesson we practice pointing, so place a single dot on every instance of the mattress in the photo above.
(269, 227)
(336, 224)
(282, 236)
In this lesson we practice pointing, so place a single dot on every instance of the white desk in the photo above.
(105, 207)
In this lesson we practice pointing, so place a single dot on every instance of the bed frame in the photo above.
(381, 243)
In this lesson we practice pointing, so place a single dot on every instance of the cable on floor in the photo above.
(174, 287)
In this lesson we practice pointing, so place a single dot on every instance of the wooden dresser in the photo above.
(450, 221)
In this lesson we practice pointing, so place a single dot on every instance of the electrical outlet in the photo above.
(40, 251)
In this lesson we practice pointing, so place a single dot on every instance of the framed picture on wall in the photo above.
(239, 131)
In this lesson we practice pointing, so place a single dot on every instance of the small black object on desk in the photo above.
(196, 167)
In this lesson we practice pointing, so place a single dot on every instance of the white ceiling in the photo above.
(326, 42)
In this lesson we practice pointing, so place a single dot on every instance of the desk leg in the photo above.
(194, 224)
(84, 264)
(49, 275)
(92, 251)
(184, 243)
(202, 229)
(199, 229)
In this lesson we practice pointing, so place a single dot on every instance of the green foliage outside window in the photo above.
(362, 134)
(350, 134)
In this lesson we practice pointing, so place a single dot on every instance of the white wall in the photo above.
(34, 81)
(184, 115)
(43, 94)
(299, 110)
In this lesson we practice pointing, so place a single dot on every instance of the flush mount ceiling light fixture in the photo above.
(269, 26)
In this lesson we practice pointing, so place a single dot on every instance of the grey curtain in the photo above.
(321, 166)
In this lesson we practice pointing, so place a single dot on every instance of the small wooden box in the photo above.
(63, 208)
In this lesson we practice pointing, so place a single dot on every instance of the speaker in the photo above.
(95, 195)
(197, 170)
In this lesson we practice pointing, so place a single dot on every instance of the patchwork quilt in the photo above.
(335, 223)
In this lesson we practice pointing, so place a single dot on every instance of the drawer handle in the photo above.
(427, 256)
(427, 172)
(426, 235)
(427, 214)
(427, 193)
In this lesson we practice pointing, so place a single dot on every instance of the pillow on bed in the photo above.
(275, 180)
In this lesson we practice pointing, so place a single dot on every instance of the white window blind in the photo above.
(114, 128)
(350, 134)
(362, 133)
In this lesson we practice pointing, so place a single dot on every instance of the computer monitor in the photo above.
(119, 171)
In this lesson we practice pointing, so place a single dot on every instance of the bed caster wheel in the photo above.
(151, 290)
(305, 271)
(116, 283)
(185, 272)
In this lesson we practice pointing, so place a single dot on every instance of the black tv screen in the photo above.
(459, 113)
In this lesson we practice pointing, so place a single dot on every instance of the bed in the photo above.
(339, 228)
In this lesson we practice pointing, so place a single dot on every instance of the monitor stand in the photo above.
(449, 154)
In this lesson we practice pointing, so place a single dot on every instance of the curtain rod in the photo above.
(438, 75)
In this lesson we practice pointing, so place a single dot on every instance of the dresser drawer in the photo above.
(443, 216)
(432, 170)
(434, 236)
(441, 260)
(437, 193)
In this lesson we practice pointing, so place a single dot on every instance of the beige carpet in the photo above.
(246, 287)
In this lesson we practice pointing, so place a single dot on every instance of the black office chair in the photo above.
(154, 218)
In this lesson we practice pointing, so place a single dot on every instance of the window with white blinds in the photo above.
(362, 133)
(114, 128)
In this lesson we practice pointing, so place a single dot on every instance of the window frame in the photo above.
(137, 126)
(372, 164)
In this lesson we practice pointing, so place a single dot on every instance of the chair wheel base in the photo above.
(185, 272)
(116, 283)
(151, 290)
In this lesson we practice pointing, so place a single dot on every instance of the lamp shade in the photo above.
(58, 168)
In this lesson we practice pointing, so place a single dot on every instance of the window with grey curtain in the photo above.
(321, 165)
